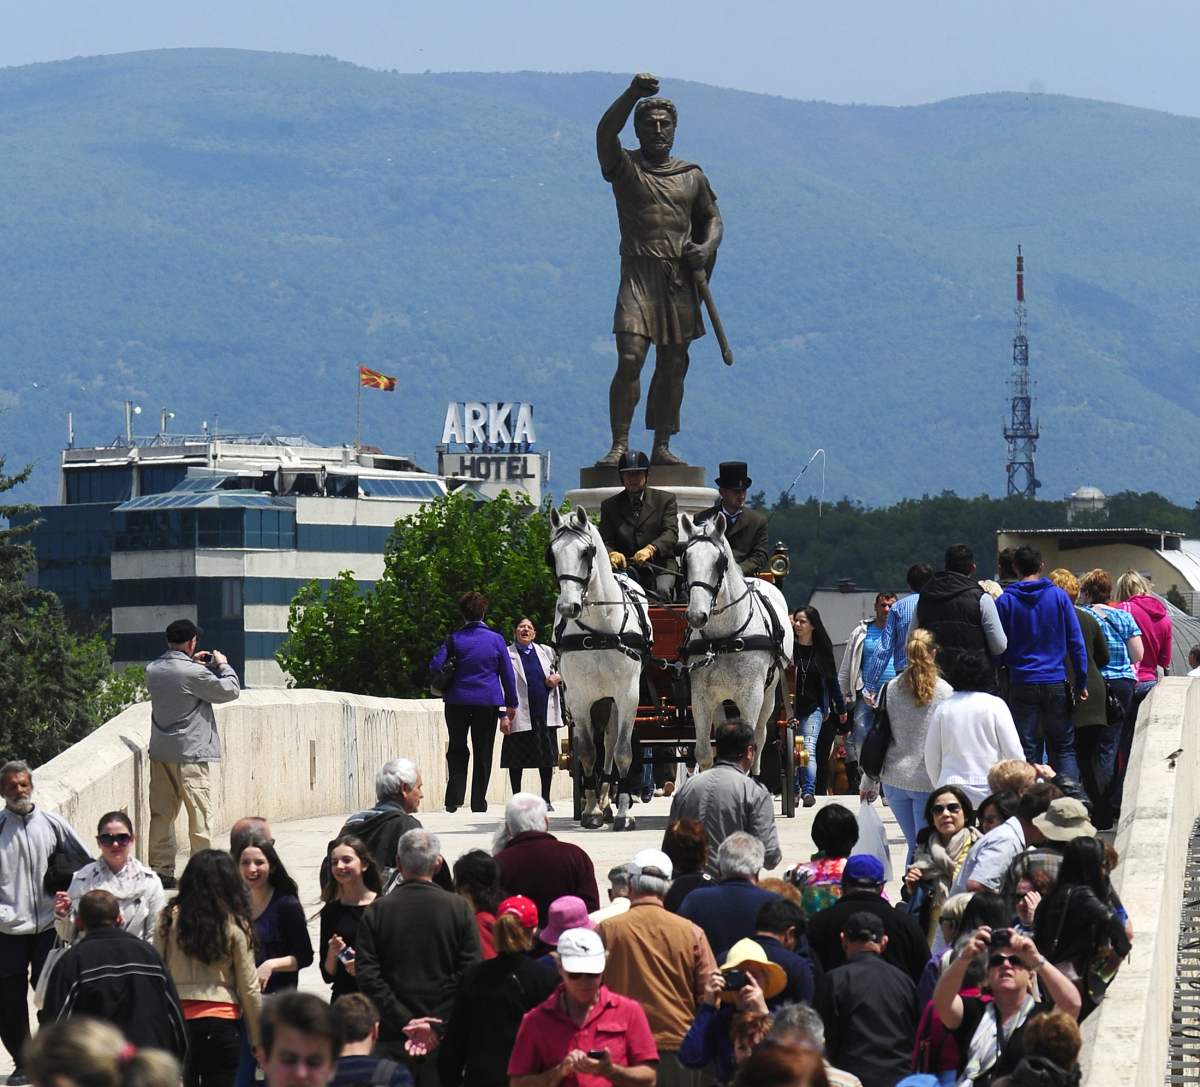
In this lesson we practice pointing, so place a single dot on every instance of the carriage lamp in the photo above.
(564, 758)
(801, 752)
(780, 564)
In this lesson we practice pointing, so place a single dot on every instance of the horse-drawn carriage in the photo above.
(641, 676)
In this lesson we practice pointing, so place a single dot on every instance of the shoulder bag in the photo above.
(1114, 712)
(878, 739)
(61, 865)
(445, 674)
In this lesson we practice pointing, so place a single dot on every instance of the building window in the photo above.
(161, 478)
(370, 539)
(98, 485)
(231, 598)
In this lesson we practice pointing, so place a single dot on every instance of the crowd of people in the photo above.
(994, 718)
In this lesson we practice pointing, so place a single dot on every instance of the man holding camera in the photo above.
(184, 685)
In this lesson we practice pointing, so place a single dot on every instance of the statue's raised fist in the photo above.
(645, 84)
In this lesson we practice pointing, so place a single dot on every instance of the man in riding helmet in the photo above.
(746, 529)
(640, 525)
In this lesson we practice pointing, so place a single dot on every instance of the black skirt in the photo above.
(528, 750)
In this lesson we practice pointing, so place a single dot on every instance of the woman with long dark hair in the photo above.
(482, 691)
(206, 938)
(356, 883)
(282, 944)
(1075, 926)
(477, 879)
(818, 698)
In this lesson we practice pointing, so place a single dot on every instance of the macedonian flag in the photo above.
(372, 379)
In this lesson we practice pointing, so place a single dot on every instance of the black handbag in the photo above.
(1114, 712)
(878, 739)
(61, 866)
(443, 676)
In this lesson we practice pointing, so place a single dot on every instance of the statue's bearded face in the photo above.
(656, 133)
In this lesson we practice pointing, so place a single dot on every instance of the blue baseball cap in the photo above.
(864, 867)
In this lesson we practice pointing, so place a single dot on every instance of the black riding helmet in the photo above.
(634, 460)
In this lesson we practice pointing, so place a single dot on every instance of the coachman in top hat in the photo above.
(747, 531)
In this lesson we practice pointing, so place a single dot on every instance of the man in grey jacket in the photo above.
(28, 836)
(183, 742)
(725, 798)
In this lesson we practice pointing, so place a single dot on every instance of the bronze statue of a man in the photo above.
(669, 225)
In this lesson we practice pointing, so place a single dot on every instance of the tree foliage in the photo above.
(54, 688)
(874, 547)
(380, 641)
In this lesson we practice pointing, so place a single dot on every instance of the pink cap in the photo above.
(566, 912)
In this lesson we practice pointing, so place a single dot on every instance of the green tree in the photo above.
(380, 642)
(49, 679)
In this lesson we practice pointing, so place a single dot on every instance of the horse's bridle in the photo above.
(722, 567)
(590, 558)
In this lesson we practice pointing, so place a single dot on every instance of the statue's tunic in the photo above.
(655, 206)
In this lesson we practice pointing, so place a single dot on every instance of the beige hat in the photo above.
(1065, 820)
(748, 952)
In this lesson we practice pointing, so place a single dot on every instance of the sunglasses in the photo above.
(580, 977)
(953, 809)
(114, 839)
(1015, 961)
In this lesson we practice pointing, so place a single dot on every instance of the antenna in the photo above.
(1022, 433)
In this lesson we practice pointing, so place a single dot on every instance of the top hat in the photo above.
(733, 476)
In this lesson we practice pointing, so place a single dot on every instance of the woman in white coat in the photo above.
(136, 887)
(531, 737)
(971, 731)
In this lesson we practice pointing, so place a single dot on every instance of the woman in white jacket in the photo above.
(531, 737)
(971, 731)
(136, 887)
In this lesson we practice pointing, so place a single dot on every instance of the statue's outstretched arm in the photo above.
(608, 131)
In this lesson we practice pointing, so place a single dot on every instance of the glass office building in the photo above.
(220, 531)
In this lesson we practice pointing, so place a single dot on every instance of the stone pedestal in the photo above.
(685, 481)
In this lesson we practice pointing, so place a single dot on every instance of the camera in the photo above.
(207, 659)
(736, 979)
(346, 956)
(595, 1054)
(1001, 937)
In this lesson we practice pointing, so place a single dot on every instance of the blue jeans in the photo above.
(1047, 703)
(909, 809)
(1110, 742)
(810, 726)
(647, 768)
(864, 718)
(1140, 691)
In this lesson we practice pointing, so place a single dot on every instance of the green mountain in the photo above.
(231, 232)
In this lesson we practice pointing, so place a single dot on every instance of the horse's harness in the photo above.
(697, 644)
(635, 644)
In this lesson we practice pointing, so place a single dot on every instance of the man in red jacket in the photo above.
(536, 864)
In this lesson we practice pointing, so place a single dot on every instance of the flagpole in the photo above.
(358, 417)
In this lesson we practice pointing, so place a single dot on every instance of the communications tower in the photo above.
(1021, 433)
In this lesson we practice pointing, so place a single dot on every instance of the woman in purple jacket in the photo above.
(483, 684)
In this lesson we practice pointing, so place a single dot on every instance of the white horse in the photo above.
(734, 614)
(605, 622)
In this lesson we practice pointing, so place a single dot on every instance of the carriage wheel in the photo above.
(788, 762)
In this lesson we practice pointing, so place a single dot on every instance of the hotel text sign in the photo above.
(493, 427)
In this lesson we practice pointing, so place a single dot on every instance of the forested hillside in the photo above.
(233, 232)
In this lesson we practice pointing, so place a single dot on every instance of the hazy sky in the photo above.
(875, 51)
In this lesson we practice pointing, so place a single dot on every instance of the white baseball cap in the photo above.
(581, 951)
(654, 862)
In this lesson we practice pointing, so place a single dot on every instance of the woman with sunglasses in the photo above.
(1077, 928)
(942, 846)
(989, 1034)
(136, 887)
